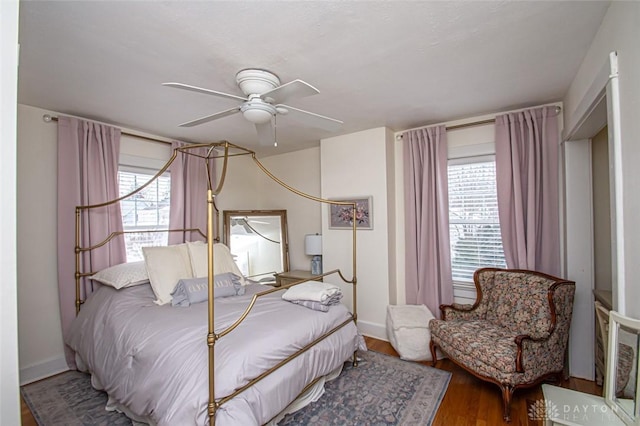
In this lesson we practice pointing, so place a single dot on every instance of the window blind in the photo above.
(146, 210)
(474, 227)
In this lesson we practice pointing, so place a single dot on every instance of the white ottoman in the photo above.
(408, 331)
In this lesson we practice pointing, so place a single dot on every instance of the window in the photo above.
(474, 227)
(146, 210)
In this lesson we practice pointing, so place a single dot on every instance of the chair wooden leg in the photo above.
(565, 366)
(507, 393)
(434, 358)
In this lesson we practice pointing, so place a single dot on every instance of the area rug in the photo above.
(69, 399)
(382, 390)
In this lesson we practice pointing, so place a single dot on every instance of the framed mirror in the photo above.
(621, 379)
(258, 240)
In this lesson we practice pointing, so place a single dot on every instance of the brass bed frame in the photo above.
(213, 153)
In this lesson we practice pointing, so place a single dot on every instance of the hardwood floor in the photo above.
(468, 400)
(27, 417)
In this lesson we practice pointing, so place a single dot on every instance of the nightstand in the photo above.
(284, 278)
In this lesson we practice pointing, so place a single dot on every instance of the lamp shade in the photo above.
(313, 244)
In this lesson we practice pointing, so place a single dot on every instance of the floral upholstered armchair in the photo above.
(515, 335)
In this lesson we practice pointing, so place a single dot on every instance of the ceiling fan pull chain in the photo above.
(275, 129)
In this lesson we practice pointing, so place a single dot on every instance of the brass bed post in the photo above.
(355, 280)
(211, 337)
(355, 276)
(77, 253)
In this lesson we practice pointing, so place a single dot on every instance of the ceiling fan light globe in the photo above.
(256, 115)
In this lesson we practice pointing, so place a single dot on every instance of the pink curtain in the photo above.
(87, 174)
(527, 145)
(428, 257)
(189, 184)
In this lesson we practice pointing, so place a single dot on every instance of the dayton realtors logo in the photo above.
(543, 409)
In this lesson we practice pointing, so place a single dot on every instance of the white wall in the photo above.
(397, 291)
(357, 165)
(300, 169)
(41, 347)
(248, 188)
(579, 259)
(239, 189)
(620, 31)
(9, 393)
(601, 211)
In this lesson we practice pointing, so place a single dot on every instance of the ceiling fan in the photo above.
(263, 102)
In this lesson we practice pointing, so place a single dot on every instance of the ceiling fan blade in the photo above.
(210, 117)
(266, 135)
(312, 119)
(205, 91)
(293, 89)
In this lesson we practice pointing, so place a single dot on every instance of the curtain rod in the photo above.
(471, 124)
(49, 118)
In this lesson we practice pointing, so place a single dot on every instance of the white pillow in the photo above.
(123, 275)
(222, 260)
(166, 265)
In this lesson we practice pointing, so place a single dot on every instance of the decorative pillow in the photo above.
(166, 266)
(222, 260)
(123, 275)
(194, 290)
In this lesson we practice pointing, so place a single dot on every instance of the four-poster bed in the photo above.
(305, 346)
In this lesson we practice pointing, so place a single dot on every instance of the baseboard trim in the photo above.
(379, 331)
(40, 371)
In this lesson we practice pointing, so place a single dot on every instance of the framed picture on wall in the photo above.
(341, 216)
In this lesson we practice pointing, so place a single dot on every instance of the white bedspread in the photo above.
(153, 359)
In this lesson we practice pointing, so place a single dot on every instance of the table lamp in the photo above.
(313, 247)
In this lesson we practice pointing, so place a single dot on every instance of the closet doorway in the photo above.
(594, 231)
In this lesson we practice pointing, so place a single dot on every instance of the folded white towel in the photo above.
(312, 290)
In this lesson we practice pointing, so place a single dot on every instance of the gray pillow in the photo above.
(194, 290)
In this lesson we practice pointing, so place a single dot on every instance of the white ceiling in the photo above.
(396, 64)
